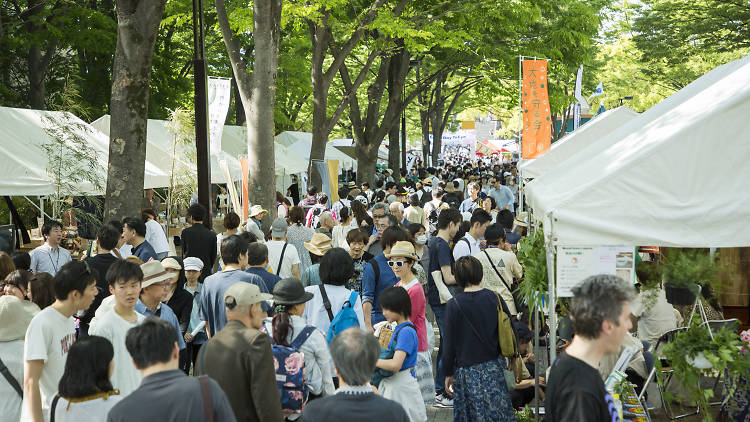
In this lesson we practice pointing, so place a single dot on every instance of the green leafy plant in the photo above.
(182, 181)
(723, 351)
(525, 415)
(623, 388)
(533, 257)
(685, 267)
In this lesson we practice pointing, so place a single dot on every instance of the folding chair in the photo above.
(732, 324)
(667, 372)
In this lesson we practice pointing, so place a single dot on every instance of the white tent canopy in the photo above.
(159, 150)
(674, 176)
(301, 142)
(25, 167)
(234, 142)
(590, 132)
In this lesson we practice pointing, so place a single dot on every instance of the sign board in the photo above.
(574, 264)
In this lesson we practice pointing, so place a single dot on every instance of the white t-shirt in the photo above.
(114, 328)
(90, 410)
(11, 353)
(291, 257)
(49, 337)
(657, 320)
(156, 237)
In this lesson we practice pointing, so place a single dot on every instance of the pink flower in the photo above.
(297, 395)
(294, 363)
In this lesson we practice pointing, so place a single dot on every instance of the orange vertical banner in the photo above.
(245, 170)
(537, 124)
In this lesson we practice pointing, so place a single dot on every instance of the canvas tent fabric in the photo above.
(301, 142)
(573, 142)
(159, 150)
(234, 142)
(25, 164)
(674, 176)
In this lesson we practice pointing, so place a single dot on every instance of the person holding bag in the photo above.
(476, 338)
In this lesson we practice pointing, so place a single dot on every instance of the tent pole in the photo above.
(552, 296)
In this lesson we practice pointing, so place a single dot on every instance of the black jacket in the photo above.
(367, 407)
(99, 265)
(200, 242)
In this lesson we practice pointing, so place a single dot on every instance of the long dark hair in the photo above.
(87, 368)
(281, 324)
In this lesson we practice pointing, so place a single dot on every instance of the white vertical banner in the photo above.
(577, 116)
(219, 96)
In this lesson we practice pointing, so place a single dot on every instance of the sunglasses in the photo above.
(398, 264)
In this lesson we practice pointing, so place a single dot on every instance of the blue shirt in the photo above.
(166, 313)
(311, 275)
(469, 205)
(440, 256)
(371, 288)
(503, 197)
(268, 278)
(211, 300)
(408, 342)
(200, 338)
(145, 251)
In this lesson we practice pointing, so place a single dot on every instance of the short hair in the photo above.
(21, 259)
(75, 275)
(468, 271)
(151, 342)
(107, 236)
(312, 190)
(123, 271)
(480, 216)
(505, 218)
(146, 213)
(135, 224)
(325, 216)
(394, 234)
(231, 220)
(367, 184)
(256, 253)
(437, 192)
(357, 235)
(197, 212)
(343, 192)
(322, 198)
(379, 197)
(414, 228)
(87, 368)
(249, 237)
(414, 200)
(231, 248)
(18, 278)
(336, 267)
(597, 299)
(399, 207)
(6, 265)
(390, 185)
(117, 224)
(42, 289)
(395, 299)
(447, 216)
(474, 186)
(392, 220)
(49, 225)
(381, 206)
(355, 354)
(296, 215)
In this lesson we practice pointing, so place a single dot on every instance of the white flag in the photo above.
(218, 105)
(598, 91)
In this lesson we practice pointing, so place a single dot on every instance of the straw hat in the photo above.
(15, 317)
(153, 272)
(319, 244)
(256, 210)
(402, 249)
(290, 291)
(427, 181)
(522, 219)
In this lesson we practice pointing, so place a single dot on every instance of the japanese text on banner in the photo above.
(537, 124)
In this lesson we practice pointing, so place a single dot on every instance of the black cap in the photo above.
(290, 291)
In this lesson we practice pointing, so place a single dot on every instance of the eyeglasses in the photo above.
(398, 264)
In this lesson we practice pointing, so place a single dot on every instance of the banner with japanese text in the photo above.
(219, 97)
(537, 124)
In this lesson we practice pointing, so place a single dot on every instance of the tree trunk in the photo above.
(38, 62)
(260, 110)
(239, 110)
(367, 156)
(138, 25)
(394, 151)
(424, 122)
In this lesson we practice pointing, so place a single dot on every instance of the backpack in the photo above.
(289, 363)
(345, 318)
(315, 220)
(432, 219)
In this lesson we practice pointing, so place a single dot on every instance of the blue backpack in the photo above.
(289, 364)
(345, 318)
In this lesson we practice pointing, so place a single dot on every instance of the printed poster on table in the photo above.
(574, 264)
(537, 124)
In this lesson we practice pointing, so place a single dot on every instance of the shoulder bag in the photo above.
(11, 380)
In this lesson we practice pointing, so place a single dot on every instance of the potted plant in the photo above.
(532, 255)
(683, 269)
(694, 353)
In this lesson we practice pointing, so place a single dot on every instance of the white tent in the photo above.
(25, 165)
(674, 176)
(301, 142)
(590, 132)
(234, 142)
(159, 150)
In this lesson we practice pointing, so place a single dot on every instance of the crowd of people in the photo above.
(334, 311)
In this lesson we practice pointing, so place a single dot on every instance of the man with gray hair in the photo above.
(354, 354)
(397, 210)
(327, 223)
(380, 212)
(600, 311)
